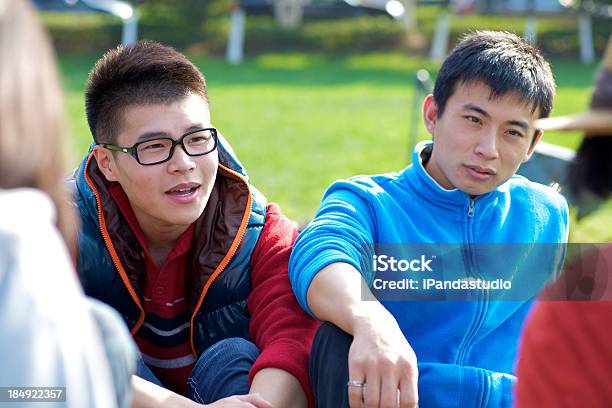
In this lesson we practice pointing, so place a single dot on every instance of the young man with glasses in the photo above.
(461, 195)
(176, 239)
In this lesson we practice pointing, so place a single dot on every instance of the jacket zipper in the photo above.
(111, 250)
(228, 256)
(480, 311)
(470, 212)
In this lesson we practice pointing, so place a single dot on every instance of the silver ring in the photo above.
(355, 383)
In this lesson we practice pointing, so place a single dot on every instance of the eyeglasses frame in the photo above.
(133, 150)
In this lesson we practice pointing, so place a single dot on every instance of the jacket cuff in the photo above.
(307, 269)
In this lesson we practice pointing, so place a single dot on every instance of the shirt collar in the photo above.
(181, 246)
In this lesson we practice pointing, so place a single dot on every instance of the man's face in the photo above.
(168, 195)
(479, 142)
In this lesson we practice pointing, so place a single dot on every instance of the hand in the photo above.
(241, 401)
(381, 358)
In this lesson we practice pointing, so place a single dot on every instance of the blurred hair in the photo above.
(505, 63)
(32, 127)
(141, 74)
(593, 170)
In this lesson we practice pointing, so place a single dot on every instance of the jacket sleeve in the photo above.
(279, 327)
(444, 385)
(340, 232)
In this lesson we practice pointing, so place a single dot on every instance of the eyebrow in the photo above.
(476, 108)
(156, 135)
(153, 135)
(520, 123)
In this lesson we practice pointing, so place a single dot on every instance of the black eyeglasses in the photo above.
(196, 142)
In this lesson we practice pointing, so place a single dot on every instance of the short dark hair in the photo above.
(140, 74)
(504, 62)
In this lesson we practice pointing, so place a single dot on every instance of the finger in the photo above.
(388, 392)
(355, 393)
(371, 392)
(234, 401)
(256, 400)
(409, 393)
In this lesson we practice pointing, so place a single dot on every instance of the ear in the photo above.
(106, 163)
(430, 113)
(536, 139)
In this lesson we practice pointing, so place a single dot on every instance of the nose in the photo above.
(181, 162)
(487, 145)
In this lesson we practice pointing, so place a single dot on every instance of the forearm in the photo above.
(149, 395)
(279, 388)
(335, 295)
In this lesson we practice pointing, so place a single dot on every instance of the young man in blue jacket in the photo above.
(461, 191)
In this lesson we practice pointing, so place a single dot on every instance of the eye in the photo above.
(198, 139)
(473, 119)
(153, 146)
(515, 133)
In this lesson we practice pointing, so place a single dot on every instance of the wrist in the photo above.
(368, 316)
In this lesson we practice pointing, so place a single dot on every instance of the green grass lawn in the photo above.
(300, 121)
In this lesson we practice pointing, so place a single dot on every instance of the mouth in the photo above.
(482, 170)
(480, 173)
(183, 190)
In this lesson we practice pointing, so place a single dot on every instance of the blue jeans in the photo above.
(221, 371)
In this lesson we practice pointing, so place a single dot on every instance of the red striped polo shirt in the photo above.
(163, 339)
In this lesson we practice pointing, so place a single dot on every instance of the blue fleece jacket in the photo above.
(465, 349)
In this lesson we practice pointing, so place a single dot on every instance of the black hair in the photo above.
(140, 74)
(505, 63)
(593, 169)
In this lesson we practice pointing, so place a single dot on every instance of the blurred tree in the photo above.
(184, 13)
(179, 22)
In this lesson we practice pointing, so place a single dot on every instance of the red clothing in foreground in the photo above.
(566, 356)
(566, 351)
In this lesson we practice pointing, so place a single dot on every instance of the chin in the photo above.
(185, 219)
(475, 190)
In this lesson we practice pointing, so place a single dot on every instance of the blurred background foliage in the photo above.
(202, 26)
(329, 99)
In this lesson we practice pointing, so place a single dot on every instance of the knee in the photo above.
(230, 352)
(330, 344)
(230, 349)
(222, 370)
(330, 337)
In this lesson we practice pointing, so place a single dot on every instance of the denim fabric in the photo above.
(144, 372)
(222, 370)
(328, 366)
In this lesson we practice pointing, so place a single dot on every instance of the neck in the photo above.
(161, 240)
(438, 175)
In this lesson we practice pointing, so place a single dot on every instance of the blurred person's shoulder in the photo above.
(32, 247)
